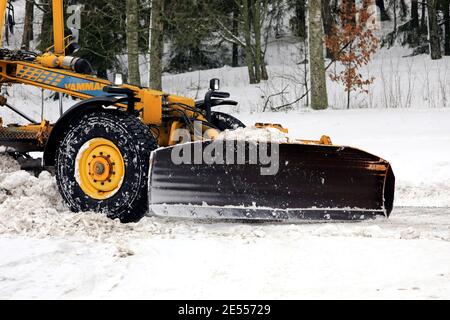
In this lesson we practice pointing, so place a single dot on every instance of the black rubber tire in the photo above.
(135, 142)
(224, 121)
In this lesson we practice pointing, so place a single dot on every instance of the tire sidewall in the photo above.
(107, 125)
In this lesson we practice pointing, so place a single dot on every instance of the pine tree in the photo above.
(298, 22)
(103, 34)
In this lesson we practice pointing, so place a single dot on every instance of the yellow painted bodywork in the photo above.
(39, 133)
(58, 26)
(48, 60)
(35, 74)
(47, 72)
(273, 126)
(101, 169)
(3, 4)
(42, 131)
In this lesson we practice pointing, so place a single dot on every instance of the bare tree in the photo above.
(415, 14)
(134, 75)
(446, 10)
(328, 22)
(247, 29)
(156, 44)
(383, 11)
(319, 96)
(253, 15)
(260, 65)
(298, 22)
(27, 36)
(235, 49)
(435, 45)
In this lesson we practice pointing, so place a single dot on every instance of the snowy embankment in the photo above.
(415, 141)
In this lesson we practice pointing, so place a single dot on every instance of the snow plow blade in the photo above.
(313, 182)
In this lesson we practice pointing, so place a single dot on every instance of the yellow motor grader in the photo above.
(117, 151)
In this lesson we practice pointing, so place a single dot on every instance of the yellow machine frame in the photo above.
(50, 72)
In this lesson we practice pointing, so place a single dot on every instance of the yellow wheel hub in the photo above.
(100, 169)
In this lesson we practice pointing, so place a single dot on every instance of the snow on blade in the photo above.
(254, 134)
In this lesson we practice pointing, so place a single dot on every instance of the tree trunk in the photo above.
(260, 64)
(327, 22)
(423, 20)
(395, 16)
(327, 17)
(384, 15)
(435, 45)
(248, 41)
(415, 14)
(264, 73)
(348, 99)
(45, 35)
(134, 75)
(300, 12)
(235, 50)
(403, 9)
(156, 45)
(27, 35)
(414, 32)
(256, 9)
(446, 5)
(319, 97)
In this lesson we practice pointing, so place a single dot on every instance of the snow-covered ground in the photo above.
(48, 252)
(160, 259)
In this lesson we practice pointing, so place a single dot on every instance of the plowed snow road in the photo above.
(88, 256)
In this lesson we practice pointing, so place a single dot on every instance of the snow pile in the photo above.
(24, 198)
(32, 206)
(7, 164)
(255, 134)
(23, 192)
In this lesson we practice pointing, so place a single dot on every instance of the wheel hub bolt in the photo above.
(99, 169)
